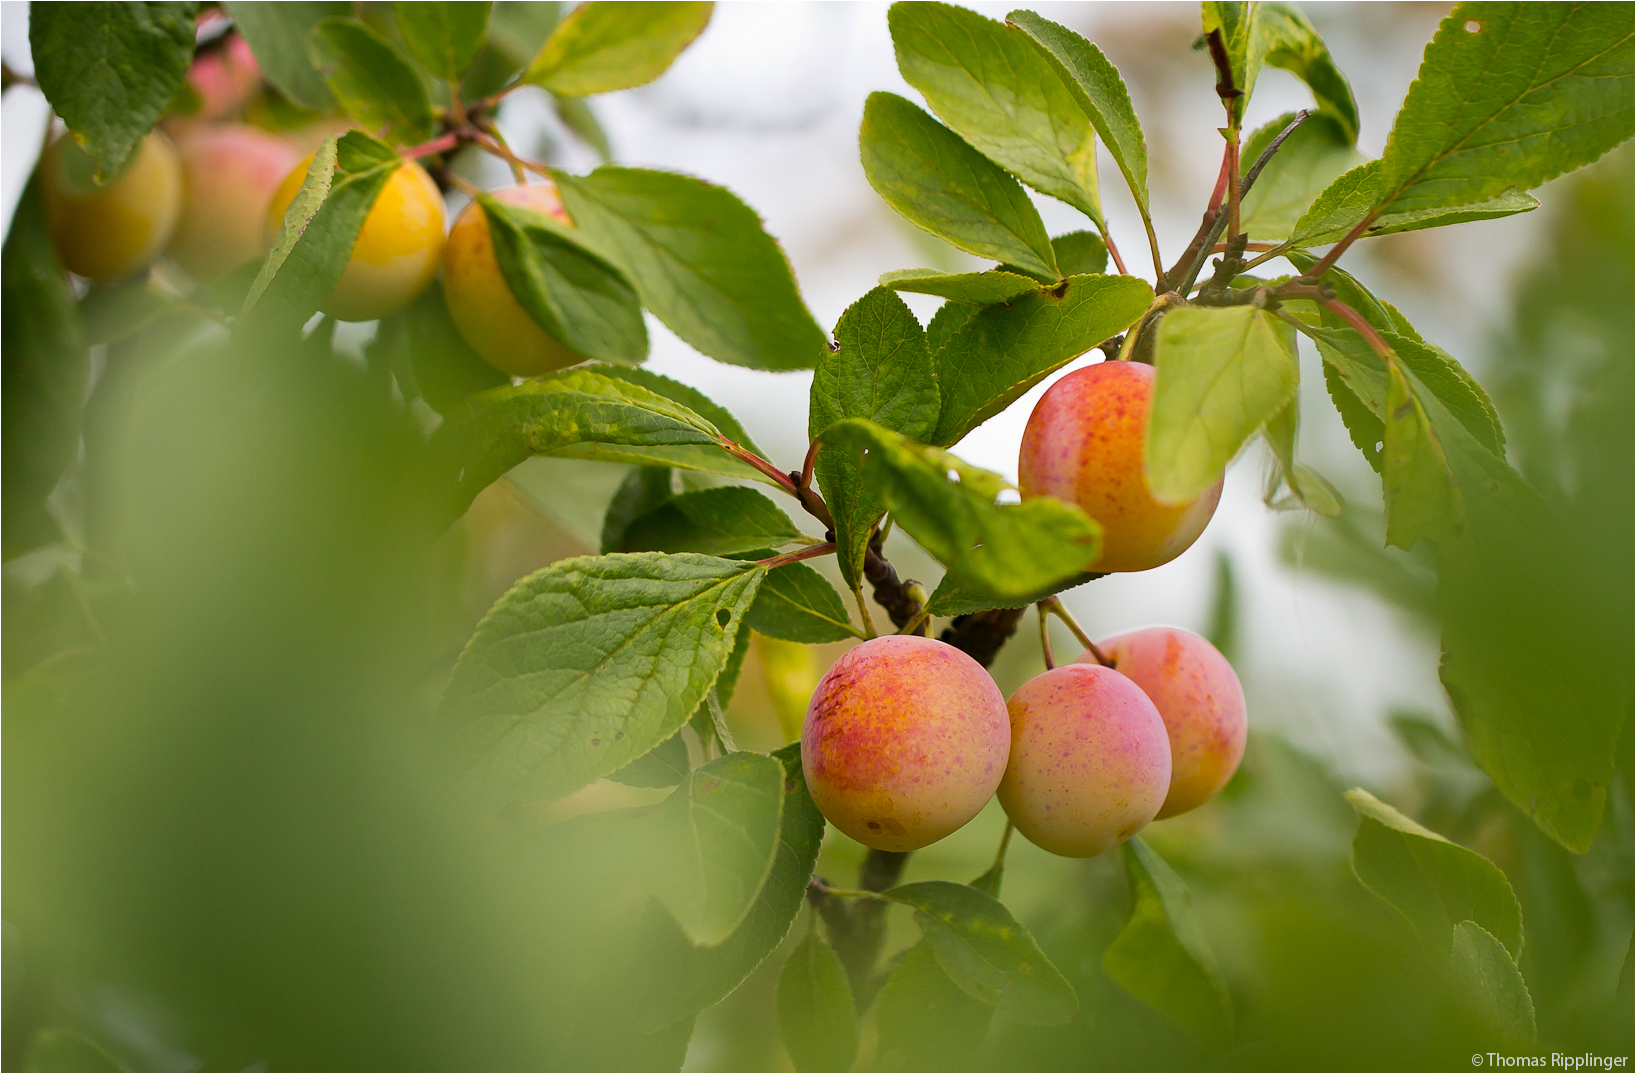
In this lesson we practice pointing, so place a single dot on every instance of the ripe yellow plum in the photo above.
(1083, 445)
(112, 230)
(1200, 700)
(1090, 763)
(397, 251)
(231, 171)
(480, 303)
(904, 741)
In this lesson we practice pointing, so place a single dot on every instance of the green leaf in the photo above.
(119, 309)
(518, 29)
(950, 509)
(956, 595)
(1537, 90)
(705, 458)
(796, 603)
(56, 1048)
(816, 1020)
(1293, 44)
(588, 664)
(371, 79)
(665, 765)
(717, 838)
(577, 116)
(881, 370)
(1307, 162)
(580, 414)
(987, 952)
(701, 262)
(1348, 199)
(320, 228)
(110, 69)
(1492, 985)
(1246, 46)
(1308, 486)
(687, 979)
(948, 319)
(445, 369)
(1102, 94)
(1162, 956)
(601, 46)
(1003, 351)
(942, 185)
(1080, 253)
(716, 522)
(1423, 496)
(1003, 95)
(44, 363)
(1433, 883)
(277, 34)
(644, 488)
(973, 288)
(444, 36)
(1222, 373)
(926, 1021)
(580, 300)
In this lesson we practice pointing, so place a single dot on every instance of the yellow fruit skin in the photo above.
(482, 306)
(232, 171)
(398, 248)
(111, 231)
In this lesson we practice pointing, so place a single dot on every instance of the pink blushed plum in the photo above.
(904, 741)
(1200, 700)
(231, 173)
(1090, 763)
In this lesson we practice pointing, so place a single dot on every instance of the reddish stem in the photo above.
(1113, 252)
(812, 551)
(807, 463)
(1339, 248)
(441, 144)
(1361, 326)
(744, 454)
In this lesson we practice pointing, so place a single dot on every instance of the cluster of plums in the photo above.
(907, 738)
(212, 197)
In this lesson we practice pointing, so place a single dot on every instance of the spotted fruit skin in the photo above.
(1083, 445)
(1200, 700)
(1090, 763)
(397, 251)
(904, 741)
(110, 231)
(480, 303)
(231, 172)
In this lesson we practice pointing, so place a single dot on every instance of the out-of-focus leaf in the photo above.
(665, 765)
(577, 116)
(716, 840)
(973, 288)
(1433, 883)
(1308, 161)
(110, 70)
(278, 35)
(816, 1021)
(701, 261)
(926, 1021)
(1493, 986)
(56, 1048)
(320, 228)
(371, 79)
(950, 509)
(1162, 956)
(44, 363)
(1102, 93)
(716, 522)
(588, 664)
(1293, 44)
(796, 603)
(444, 35)
(601, 46)
(940, 184)
(1005, 350)
(446, 371)
(987, 952)
(687, 979)
(1003, 95)
(1223, 372)
(644, 488)
(882, 371)
(581, 300)
(1307, 485)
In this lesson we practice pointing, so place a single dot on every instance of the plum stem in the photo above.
(1054, 606)
(1005, 839)
(1045, 650)
(812, 551)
